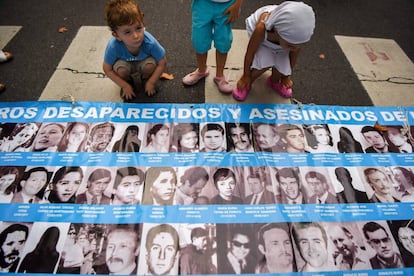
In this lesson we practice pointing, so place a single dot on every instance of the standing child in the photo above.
(212, 21)
(277, 33)
(132, 56)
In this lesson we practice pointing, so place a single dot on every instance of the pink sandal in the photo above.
(279, 88)
(223, 85)
(194, 77)
(240, 94)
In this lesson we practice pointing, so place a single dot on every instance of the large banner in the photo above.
(196, 189)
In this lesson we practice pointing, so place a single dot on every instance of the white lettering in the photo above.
(255, 113)
(235, 113)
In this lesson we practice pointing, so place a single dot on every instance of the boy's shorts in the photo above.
(206, 16)
(134, 67)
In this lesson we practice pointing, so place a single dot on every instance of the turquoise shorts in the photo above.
(209, 24)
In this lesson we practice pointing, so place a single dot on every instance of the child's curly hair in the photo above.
(122, 12)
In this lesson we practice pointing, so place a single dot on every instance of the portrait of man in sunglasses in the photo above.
(240, 248)
(378, 238)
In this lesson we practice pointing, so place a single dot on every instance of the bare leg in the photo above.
(223, 85)
(202, 62)
(276, 76)
(220, 62)
(257, 73)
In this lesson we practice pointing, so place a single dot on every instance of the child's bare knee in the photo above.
(147, 70)
(123, 72)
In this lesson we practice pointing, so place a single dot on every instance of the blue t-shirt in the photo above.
(150, 47)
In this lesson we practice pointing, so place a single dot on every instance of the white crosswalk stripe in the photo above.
(79, 73)
(7, 33)
(385, 71)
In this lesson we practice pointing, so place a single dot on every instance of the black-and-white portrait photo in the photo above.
(239, 137)
(48, 137)
(100, 137)
(159, 250)
(212, 137)
(32, 185)
(198, 249)
(158, 138)
(348, 251)
(128, 186)
(97, 189)
(404, 180)
(311, 247)
(383, 250)
(128, 137)
(266, 138)
(275, 249)
(160, 186)
(319, 138)
(9, 182)
(236, 249)
(185, 138)
(74, 138)
(379, 184)
(318, 186)
(64, 185)
(191, 184)
(13, 237)
(121, 250)
(20, 139)
(290, 188)
(227, 188)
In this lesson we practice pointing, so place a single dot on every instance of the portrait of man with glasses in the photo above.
(378, 238)
(239, 258)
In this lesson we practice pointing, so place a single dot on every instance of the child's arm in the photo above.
(233, 11)
(126, 87)
(150, 85)
(256, 39)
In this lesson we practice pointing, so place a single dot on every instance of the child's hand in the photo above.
(245, 81)
(150, 88)
(128, 92)
(233, 11)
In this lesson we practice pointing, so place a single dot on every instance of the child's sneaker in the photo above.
(279, 88)
(194, 77)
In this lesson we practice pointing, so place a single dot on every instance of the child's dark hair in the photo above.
(122, 12)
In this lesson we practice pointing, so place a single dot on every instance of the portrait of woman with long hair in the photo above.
(74, 138)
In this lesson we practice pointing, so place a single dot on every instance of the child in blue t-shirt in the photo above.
(133, 57)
